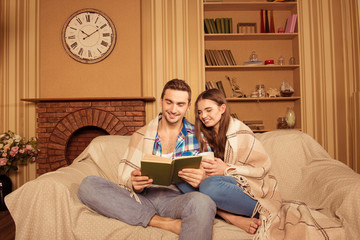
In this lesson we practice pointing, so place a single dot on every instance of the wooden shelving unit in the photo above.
(266, 46)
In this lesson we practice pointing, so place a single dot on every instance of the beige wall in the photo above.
(61, 76)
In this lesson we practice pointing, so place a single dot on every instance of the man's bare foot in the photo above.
(250, 225)
(170, 224)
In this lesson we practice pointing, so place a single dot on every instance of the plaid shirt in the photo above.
(186, 143)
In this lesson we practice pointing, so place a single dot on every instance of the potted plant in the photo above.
(14, 150)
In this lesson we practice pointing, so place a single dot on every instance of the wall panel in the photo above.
(19, 73)
(330, 73)
(172, 46)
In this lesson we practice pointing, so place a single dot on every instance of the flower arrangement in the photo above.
(15, 150)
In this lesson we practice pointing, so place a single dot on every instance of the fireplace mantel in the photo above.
(145, 99)
(64, 125)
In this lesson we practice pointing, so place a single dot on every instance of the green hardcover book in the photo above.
(222, 21)
(213, 26)
(207, 25)
(226, 25)
(164, 171)
(230, 25)
(218, 25)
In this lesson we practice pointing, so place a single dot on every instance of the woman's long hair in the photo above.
(216, 141)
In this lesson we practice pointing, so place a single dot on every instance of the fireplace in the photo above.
(66, 126)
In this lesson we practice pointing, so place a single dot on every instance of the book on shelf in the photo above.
(218, 25)
(219, 57)
(164, 171)
(291, 23)
(254, 124)
(221, 87)
(210, 84)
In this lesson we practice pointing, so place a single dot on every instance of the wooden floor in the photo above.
(7, 226)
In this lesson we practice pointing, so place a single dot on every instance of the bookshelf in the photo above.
(266, 46)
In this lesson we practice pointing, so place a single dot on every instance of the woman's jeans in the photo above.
(196, 210)
(226, 193)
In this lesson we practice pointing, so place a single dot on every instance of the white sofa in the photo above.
(48, 207)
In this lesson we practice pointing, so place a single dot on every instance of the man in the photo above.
(190, 215)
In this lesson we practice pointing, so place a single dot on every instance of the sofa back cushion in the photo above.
(290, 151)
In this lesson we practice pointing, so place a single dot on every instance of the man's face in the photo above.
(174, 105)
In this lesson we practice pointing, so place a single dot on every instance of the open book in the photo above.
(164, 171)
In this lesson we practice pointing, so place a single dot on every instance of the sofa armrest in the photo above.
(335, 188)
(47, 206)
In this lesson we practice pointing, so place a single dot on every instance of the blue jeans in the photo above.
(196, 210)
(225, 193)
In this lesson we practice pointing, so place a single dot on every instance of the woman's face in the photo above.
(210, 113)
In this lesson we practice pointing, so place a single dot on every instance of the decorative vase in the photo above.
(5, 189)
(290, 118)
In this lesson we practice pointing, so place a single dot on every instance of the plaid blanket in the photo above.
(251, 165)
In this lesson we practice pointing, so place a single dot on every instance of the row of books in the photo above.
(217, 85)
(254, 124)
(291, 23)
(219, 57)
(218, 25)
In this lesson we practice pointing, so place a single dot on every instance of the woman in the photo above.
(237, 179)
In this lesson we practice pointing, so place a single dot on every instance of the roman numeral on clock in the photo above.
(105, 44)
(106, 34)
(74, 45)
(103, 26)
(87, 17)
(71, 37)
(81, 51)
(79, 20)
(89, 53)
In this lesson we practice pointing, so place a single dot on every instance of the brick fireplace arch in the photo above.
(59, 119)
(74, 121)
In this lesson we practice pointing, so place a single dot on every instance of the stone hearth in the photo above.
(60, 120)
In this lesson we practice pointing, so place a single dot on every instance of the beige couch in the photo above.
(48, 207)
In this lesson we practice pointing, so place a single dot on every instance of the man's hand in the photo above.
(214, 167)
(139, 182)
(193, 176)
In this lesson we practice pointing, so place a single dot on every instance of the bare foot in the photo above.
(250, 225)
(170, 224)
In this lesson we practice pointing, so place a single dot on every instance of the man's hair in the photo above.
(177, 84)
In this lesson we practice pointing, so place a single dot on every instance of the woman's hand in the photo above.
(214, 167)
(139, 182)
(193, 176)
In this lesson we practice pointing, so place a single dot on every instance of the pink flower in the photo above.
(4, 154)
(3, 161)
(13, 154)
(21, 151)
(28, 147)
(33, 159)
(15, 149)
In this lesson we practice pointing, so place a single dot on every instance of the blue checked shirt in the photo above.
(186, 143)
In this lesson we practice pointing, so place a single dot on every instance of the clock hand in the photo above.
(90, 34)
(84, 33)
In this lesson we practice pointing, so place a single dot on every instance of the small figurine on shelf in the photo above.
(253, 60)
(286, 89)
(273, 92)
(237, 93)
(281, 60)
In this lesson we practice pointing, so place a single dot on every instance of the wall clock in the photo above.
(88, 36)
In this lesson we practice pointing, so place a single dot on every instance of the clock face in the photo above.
(88, 36)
